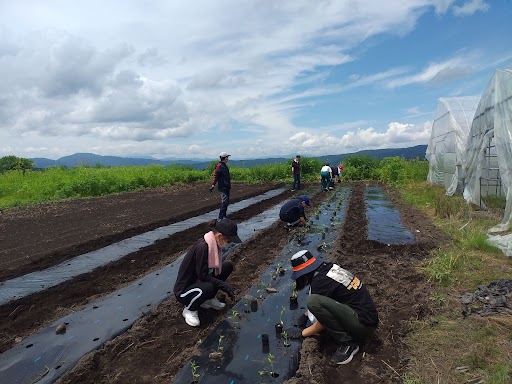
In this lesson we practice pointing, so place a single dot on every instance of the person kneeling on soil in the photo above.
(292, 212)
(202, 272)
(338, 303)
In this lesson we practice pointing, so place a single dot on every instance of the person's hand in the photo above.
(211, 188)
(229, 290)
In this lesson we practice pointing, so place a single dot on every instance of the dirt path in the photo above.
(157, 346)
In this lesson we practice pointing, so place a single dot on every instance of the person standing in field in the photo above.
(202, 272)
(296, 173)
(326, 175)
(340, 169)
(222, 178)
(335, 174)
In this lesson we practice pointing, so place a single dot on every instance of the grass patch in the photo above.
(453, 349)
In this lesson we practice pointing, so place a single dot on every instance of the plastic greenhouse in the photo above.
(447, 147)
(489, 148)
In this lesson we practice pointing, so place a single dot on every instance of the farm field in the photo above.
(157, 346)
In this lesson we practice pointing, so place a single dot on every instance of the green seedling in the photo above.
(294, 289)
(193, 368)
(219, 347)
(270, 359)
(285, 337)
(283, 308)
(262, 286)
(234, 316)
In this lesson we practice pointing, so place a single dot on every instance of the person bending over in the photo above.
(326, 176)
(293, 211)
(202, 272)
(338, 303)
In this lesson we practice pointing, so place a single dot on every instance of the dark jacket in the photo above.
(292, 210)
(221, 177)
(341, 285)
(296, 167)
(194, 268)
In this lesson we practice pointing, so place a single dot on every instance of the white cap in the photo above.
(224, 154)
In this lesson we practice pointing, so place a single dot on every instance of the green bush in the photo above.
(358, 168)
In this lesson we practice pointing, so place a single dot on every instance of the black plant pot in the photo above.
(254, 305)
(294, 303)
(279, 329)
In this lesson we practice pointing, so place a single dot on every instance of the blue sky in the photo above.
(256, 79)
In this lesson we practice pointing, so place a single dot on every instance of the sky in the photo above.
(257, 79)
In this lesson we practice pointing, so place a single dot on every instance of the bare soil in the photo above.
(158, 345)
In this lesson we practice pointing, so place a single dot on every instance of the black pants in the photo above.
(296, 181)
(291, 219)
(196, 294)
(224, 202)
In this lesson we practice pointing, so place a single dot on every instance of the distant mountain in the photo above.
(418, 151)
(92, 160)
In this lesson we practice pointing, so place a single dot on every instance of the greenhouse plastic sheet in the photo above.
(37, 281)
(383, 218)
(235, 352)
(45, 356)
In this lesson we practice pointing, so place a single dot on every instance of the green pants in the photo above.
(341, 321)
(326, 179)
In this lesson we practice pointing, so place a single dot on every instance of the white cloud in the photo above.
(397, 135)
(436, 73)
(166, 78)
(470, 7)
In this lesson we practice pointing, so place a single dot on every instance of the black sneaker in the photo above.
(344, 353)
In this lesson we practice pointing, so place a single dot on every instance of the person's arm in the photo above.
(203, 272)
(302, 213)
(216, 172)
(313, 329)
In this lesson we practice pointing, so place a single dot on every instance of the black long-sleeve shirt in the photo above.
(341, 285)
(194, 268)
(221, 177)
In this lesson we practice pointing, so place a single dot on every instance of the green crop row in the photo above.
(22, 187)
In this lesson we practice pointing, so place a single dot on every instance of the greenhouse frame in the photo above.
(447, 146)
(489, 148)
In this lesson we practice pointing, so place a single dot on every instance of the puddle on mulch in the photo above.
(28, 284)
(47, 355)
(384, 225)
(234, 351)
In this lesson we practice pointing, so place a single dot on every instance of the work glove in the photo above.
(225, 287)
(211, 188)
(293, 333)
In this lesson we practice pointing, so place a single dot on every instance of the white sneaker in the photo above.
(191, 317)
(213, 304)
